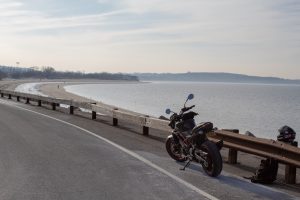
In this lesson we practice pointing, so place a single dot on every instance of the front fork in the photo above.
(175, 137)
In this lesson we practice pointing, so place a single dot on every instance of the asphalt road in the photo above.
(51, 155)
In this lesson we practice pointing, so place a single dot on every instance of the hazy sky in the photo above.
(256, 37)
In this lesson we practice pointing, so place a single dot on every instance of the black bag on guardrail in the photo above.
(286, 134)
(266, 173)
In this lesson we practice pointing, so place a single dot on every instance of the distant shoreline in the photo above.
(214, 77)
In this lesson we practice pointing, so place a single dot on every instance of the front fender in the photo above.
(169, 137)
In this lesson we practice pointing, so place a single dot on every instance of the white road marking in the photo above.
(135, 155)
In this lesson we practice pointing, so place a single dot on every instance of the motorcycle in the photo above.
(189, 141)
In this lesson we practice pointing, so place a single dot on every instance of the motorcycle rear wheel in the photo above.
(213, 159)
(175, 150)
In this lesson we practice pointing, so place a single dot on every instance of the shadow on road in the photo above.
(259, 191)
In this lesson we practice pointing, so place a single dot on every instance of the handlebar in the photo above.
(187, 108)
(177, 117)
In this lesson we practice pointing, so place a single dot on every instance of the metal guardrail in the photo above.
(282, 152)
(285, 153)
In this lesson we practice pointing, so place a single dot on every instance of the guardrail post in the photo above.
(18, 98)
(290, 172)
(145, 130)
(115, 120)
(53, 106)
(232, 153)
(27, 100)
(94, 114)
(71, 110)
(9, 96)
(39, 103)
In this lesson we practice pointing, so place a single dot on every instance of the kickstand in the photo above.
(186, 165)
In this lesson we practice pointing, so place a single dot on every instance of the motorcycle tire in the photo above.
(213, 159)
(174, 150)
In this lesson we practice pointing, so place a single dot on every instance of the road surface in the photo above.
(50, 155)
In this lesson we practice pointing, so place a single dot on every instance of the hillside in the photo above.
(213, 77)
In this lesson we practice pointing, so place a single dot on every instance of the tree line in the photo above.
(51, 73)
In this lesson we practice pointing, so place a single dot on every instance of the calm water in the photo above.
(261, 109)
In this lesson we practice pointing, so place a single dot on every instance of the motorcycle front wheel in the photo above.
(213, 160)
(175, 150)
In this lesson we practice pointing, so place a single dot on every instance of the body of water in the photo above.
(260, 109)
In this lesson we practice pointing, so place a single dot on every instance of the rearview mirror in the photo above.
(191, 96)
(168, 111)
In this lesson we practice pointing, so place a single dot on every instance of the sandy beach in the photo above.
(55, 88)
